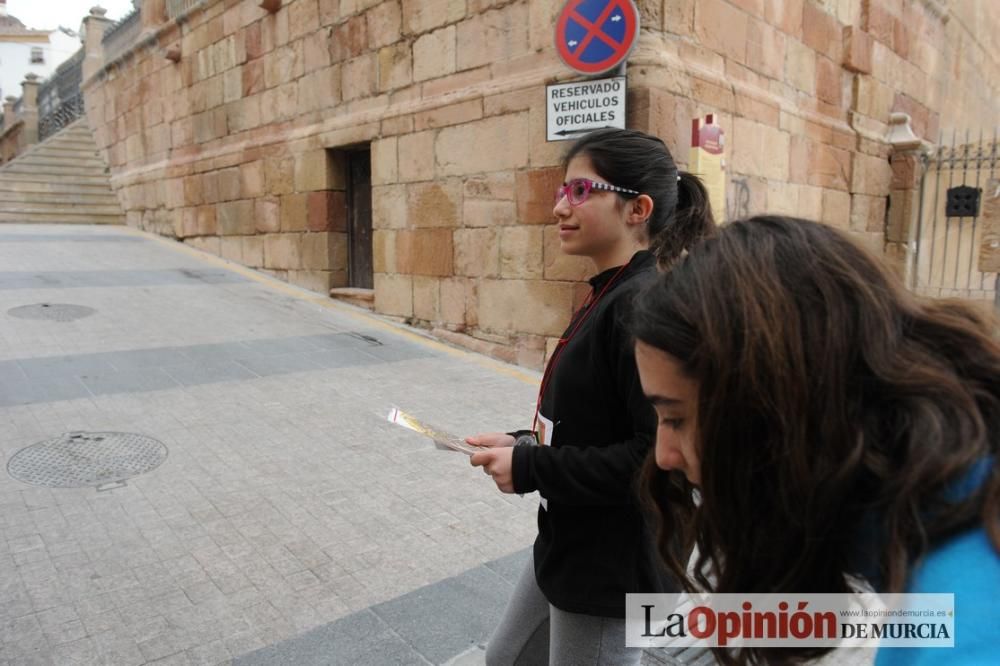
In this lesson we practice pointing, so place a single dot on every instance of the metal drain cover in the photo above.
(51, 311)
(82, 459)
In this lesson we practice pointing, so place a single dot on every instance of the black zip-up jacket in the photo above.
(593, 545)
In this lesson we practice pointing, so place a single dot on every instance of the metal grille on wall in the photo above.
(957, 181)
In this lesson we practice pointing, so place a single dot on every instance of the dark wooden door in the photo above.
(359, 231)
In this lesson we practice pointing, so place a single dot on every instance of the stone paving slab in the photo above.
(134, 278)
(31, 380)
(436, 623)
(286, 501)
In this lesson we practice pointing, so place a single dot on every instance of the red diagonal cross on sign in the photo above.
(598, 44)
(594, 29)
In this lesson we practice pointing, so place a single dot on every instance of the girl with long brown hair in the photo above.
(818, 424)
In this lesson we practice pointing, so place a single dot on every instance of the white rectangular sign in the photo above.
(573, 109)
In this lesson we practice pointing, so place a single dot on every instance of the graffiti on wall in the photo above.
(738, 199)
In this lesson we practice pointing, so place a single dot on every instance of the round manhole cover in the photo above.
(51, 311)
(81, 459)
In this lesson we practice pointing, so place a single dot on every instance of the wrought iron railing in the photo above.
(120, 37)
(177, 8)
(60, 100)
(64, 115)
(63, 84)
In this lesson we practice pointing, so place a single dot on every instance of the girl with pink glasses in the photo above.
(626, 206)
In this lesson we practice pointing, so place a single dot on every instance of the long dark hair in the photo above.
(844, 425)
(682, 214)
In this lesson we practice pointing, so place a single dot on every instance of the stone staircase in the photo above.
(62, 180)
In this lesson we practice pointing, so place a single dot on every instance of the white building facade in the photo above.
(24, 51)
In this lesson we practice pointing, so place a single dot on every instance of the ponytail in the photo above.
(681, 215)
(691, 222)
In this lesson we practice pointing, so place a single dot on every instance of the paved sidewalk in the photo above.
(288, 518)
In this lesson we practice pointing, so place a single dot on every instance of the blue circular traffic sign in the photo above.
(595, 36)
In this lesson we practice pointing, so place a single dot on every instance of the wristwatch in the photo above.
(524, 438)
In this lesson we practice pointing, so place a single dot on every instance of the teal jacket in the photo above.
(968, 566)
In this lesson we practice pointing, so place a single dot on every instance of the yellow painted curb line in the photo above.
(331, 304)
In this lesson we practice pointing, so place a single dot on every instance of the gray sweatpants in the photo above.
(533, 632)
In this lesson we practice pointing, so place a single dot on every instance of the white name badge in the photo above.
(545, 428)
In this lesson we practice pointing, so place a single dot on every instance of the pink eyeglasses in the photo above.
(578, 189)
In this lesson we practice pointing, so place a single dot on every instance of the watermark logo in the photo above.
(861, 620)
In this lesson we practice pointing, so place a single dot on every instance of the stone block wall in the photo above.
(235, 147)
(805, 88)
(12, 142)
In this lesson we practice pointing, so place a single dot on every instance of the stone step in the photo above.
(89, 179)
(81, 141)
(81, 165)
(74, 129)
(63, 180)
(19, 167)
(57, 152)
(361, 297)
(59, 208)
(71, 141)
(21, 218)
(95, 197)
(31, 156)
(56, 149)
(94, 185)
(65, 218)
(54, 187)
(67, 147)
(73, 134)
(88, 162)
(48, 154)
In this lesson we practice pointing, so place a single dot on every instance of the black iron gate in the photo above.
(957, 183)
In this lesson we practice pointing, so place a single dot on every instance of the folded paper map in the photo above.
(441, 439)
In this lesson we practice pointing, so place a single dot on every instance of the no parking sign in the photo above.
(595, 36)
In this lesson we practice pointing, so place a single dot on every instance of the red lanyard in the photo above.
(589, 304)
